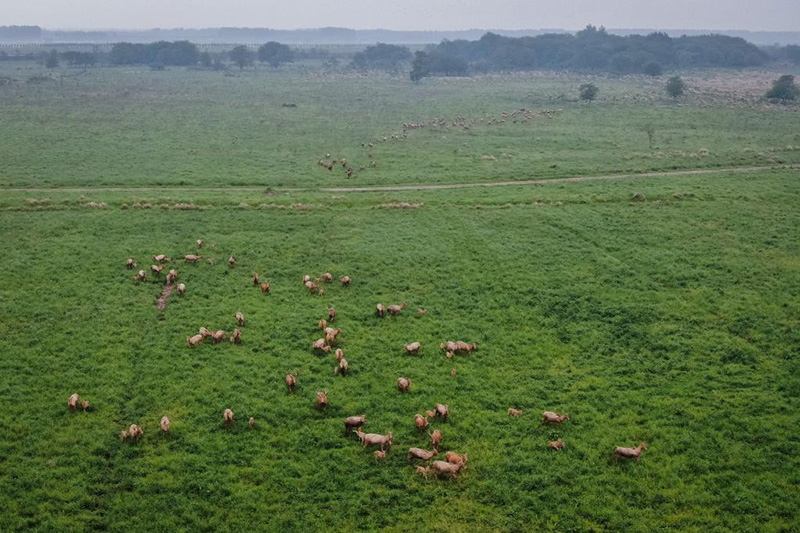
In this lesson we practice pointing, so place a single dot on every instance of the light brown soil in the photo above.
(161, 301)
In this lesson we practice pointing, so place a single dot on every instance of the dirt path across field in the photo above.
(161, 301)
(422, 187)
(575, 179)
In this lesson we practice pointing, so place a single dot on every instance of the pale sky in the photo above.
(405, 14)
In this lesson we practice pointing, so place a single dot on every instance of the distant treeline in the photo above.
(20, 33)
(591, 49)
(324, 36)
(178, 53)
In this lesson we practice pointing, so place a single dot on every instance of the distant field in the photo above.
(662, 309)
(136, 127)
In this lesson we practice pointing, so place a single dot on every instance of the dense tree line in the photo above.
(381, 57)
(161, 53)
(592, 49)
(185, 53)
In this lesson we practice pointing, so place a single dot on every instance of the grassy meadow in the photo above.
(673, 319)
(136, 127)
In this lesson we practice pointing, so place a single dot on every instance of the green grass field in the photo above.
(673, 320)
(134, 127)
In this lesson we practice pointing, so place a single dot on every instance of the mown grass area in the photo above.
(672, 320)
(135, 127)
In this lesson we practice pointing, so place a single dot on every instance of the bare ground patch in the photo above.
(161, 301)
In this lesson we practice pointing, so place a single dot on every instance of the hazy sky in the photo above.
(405, 14)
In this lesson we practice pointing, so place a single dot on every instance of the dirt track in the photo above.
(422, 187)
(161, 301)
(575, 179)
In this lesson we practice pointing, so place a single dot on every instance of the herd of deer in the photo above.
(453, 462)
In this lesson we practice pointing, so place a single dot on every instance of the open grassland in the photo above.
(136, 127)
(672, 320)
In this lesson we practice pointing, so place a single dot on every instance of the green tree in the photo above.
(242, 56)
(205, 60)
(382, 57)
(51, 61)
(588, 92)
(126, 54)
(274, 54)
(784, 89)
(420, 67)
(676, 87)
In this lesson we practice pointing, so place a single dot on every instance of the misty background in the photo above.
(770, 15)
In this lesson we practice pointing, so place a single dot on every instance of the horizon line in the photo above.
(177, 28)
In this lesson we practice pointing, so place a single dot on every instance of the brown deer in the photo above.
(549, 417)
(322, 400)
(291, 380)
(629, 453)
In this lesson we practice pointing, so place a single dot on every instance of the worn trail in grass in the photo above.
(421, 187)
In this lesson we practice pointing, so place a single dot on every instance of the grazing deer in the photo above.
(291, 380)
(550, 417)
(629, 453)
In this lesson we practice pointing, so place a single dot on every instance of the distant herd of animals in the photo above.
(454, 462)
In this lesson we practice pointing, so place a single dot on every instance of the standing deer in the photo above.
(629, 453)
(322, 400)
(291, 380)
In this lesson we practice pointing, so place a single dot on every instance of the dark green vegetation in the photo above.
(597, 50)
(659, 309)
(382, 57)
(180, 53)
(589, 50)
(242, 56)
(676, 87)
(274, 54)
(588, 92)
(784, 89)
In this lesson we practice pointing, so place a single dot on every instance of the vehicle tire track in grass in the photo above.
(576, 233)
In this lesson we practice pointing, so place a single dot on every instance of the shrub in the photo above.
(588, 92)
(275, 53)
(676, 87)
(784, 89)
